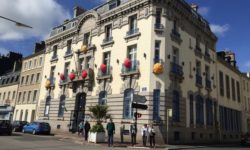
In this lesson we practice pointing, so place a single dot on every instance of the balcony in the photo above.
(176, 72)
(104, 75)
(133, 33)
(68, 53)
(159, 27)
(175, 36)
(199, 80)
(208, 84)
(207, 56)
(54, 58)
(107, 41)
(133, 70)
(198, 51)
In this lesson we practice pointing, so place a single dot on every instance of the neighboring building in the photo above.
(8, 90)
(163, 50)
(229, 97)
(245, 90)
(8, 61)
(29, 85)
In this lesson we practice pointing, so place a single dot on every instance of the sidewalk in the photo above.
(80, 140)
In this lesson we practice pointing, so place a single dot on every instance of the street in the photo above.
(20, 141)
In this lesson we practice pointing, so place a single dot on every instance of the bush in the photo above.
(97, 128)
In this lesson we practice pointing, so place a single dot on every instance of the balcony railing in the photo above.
(176, 33)
(133, 32)
(107, 41)
(199, 80)
(68, 52)
(208, 83)
(133, 69)
(176, 69)
(175, 36)
(54, 58)
(159, 26)
(104, 74)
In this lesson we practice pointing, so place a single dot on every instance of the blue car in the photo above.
(37, 128)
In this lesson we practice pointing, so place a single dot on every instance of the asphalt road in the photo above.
(20, 141)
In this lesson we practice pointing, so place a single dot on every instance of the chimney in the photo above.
(78, 11)
(195, 7)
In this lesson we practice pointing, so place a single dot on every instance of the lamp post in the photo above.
(19, 24)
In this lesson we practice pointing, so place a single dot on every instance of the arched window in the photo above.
(61, 106)
(127, 105)
(103, 98)
(176, 106)
(47, 106)
(199, 110)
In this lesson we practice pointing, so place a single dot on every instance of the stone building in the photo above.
(29, 86)
(162, 50)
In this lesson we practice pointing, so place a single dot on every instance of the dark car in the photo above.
(245, 139)
(5, 127)
(18, 125)
(37, 128)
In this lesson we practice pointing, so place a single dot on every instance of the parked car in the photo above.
(37, 128)
(245, 139)
(18, 125)
(5, 127)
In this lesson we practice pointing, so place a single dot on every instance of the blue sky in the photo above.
(228, 19)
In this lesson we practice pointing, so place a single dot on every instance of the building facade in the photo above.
(29, 86)
(162, 50)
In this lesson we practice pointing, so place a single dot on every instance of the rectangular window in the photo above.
(106, 58)
(69, 47)
(54, 56)
(198, 68)
(13, 95)
(24, 96)
(32, 79)
(191, 106)
(52, 74)
(35, 63)
(209, 112)
(156, 104)
(30, 64)
(86, 38)
(228, 86)
(29, 94)
(25, 65)
(81, 63)
(132, 55)
(233, 89)
(158, 18)
(207, 71)
(40, 61)
(37, 77)
(133, 24)
(221, 80)
(66, 70)
(175, 56)
(198, 40)
(88, 62)
(238, 90)
(19, 97)
(22, 80)
(157, 52)
(27, 79)
(4, 96)
(108, 33)
(34, 96)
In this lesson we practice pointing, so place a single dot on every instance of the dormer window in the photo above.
(86, 38)
(113, 4)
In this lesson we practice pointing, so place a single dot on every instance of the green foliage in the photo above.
(99, 112)
(97, 128)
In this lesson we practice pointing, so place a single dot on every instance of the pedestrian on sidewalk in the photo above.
(133, 131)
(111, 131)
(80, 128)
(144, 133)
(151, 131)
(87, 128)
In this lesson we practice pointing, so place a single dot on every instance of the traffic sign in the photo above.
(139, 99)
(139, 106)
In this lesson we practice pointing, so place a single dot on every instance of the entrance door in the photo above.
(79, 112)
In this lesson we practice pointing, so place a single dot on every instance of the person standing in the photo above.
(111, 131)
(151, 131)
(144, 133)
(80, 128)
(133, 131)
(86, 128)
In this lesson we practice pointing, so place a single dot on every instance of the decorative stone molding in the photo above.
(126, 85)
(107, 88)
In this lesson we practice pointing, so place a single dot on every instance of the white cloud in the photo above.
(3, 51)
(42, 15)
(203, 11)
(220, 29)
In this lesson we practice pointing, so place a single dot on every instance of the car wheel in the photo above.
(34, 132)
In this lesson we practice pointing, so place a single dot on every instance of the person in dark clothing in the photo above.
(111, 130)
(151, 131)
(133, 131)
(86, 128)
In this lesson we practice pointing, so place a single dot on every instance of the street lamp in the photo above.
(19, 24)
